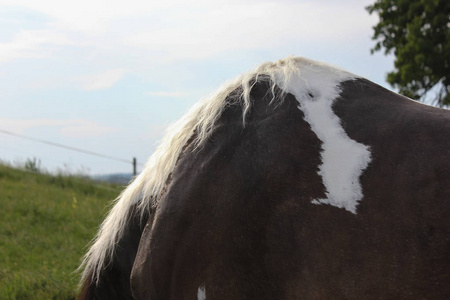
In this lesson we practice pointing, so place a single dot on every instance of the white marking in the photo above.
(201, 293)
(343, 159)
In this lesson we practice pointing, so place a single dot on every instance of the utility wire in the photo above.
(66, 147)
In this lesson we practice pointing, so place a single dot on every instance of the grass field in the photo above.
(45, 224)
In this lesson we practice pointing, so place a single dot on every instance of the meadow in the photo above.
(46, 222)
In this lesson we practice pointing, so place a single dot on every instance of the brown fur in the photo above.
(237, 218)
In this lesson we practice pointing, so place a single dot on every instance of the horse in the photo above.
(296, 180)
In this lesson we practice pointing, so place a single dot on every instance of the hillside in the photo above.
(45, 224)
(117, 178)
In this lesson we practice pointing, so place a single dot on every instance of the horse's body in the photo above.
(297, 181)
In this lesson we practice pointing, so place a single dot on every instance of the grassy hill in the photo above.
(45, 224)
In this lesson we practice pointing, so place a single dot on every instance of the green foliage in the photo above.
(45, 224)
(418, 34)
(33, 165)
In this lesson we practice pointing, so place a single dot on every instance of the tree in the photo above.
(418, 33)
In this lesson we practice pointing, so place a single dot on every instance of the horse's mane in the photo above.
(145, 189)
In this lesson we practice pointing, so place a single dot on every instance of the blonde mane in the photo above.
(146, 189)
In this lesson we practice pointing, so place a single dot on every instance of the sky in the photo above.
(110, 76)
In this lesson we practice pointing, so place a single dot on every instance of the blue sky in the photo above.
(110, 76)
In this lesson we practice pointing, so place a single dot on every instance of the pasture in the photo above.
(45, 224)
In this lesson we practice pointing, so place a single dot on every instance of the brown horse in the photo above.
(297, 180)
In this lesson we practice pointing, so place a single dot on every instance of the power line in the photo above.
(66, 147)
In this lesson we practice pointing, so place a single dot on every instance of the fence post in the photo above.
(134, 166)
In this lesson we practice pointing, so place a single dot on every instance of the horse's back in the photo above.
(243, 215)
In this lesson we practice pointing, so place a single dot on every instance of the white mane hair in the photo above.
(145, 190)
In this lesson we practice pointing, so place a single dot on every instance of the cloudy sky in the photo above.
(110, 76)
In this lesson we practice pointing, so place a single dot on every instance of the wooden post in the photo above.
(134, 166)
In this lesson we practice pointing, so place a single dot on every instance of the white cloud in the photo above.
(32, 44)
(94, 16)
(75, 128)
(168, 31)
(101, 81)
(197, 34)
(20, 126)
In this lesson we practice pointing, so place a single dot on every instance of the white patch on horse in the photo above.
(343, 159)
(201, 293)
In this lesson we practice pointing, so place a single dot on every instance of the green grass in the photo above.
(45, 224)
